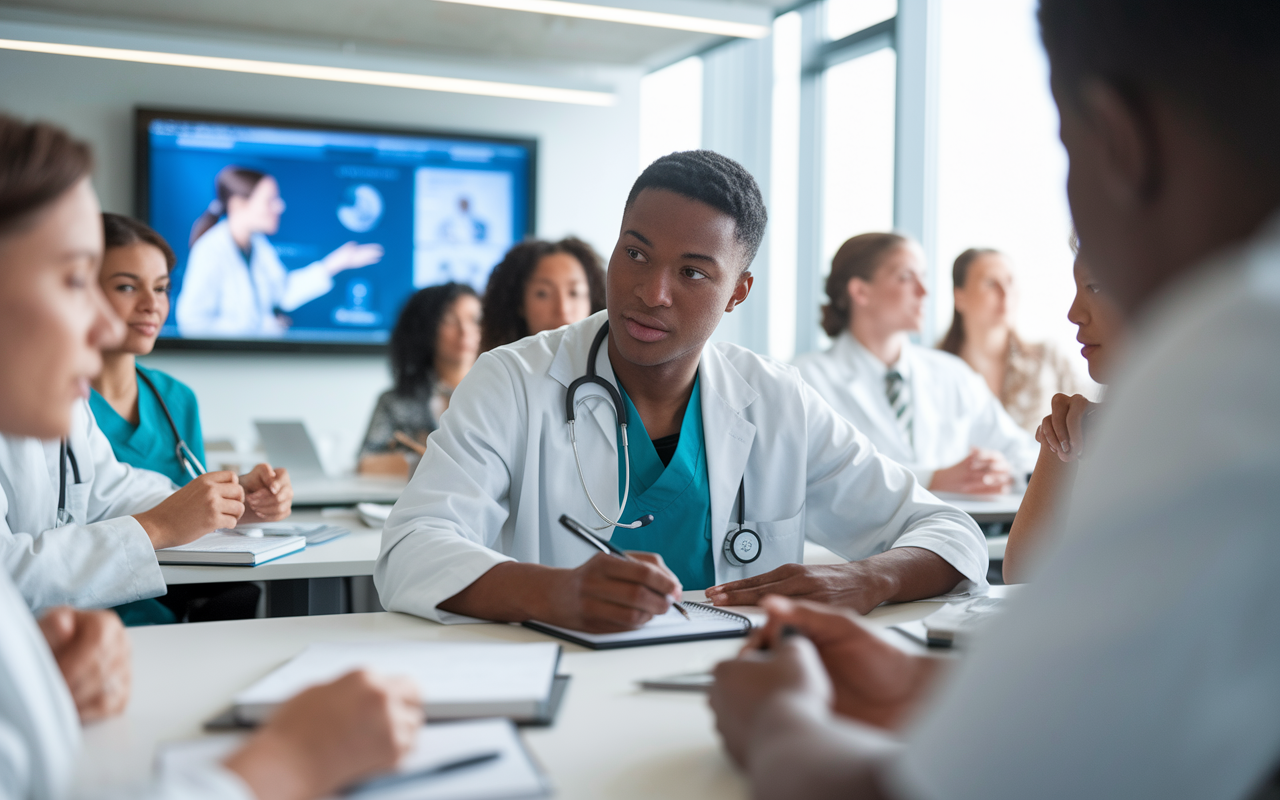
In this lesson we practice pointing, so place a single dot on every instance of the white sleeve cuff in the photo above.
(420, 592)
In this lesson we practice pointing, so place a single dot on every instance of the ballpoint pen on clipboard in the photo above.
(604, 546)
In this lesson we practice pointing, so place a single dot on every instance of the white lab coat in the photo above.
(40, 731)
(222, 296)
(103, 557)
(499, 472)
(1141, 661)
(953, 408)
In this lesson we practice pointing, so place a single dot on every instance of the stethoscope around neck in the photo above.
(186, 456)
(740, 547)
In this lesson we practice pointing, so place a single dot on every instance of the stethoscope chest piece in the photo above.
(742, 546)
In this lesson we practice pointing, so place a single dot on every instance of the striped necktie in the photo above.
(899, 394)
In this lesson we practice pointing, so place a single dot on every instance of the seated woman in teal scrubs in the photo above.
(153, 421)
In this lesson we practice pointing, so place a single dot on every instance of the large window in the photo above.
(670, 110)
(850, 16)
(784, 185)
(846, 79)
(1001, 168)
(858, 145)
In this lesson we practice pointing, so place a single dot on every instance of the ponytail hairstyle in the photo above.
(38, 164)
(121, 231)
(232, 181)
(503, 321)
(954, 340)
(859, 257)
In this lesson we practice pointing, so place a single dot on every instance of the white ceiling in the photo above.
(433, 29)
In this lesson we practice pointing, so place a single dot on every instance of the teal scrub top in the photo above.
(150, 445)
(677, 494)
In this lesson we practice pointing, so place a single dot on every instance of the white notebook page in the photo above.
(447, 673)
(219, 542)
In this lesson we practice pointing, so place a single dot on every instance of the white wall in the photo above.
(586, 163)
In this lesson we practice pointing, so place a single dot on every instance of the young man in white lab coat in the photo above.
(1141, 660)
(475, 534)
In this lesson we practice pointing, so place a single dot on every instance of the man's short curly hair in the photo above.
(720, 182)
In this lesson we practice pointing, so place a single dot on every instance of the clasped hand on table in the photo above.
(218, 500)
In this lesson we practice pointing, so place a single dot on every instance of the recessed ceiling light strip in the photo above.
(399, 80)
(627, 16)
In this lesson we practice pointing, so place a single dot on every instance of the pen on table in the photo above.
(472, 760)
(786, 633)
(604, 546)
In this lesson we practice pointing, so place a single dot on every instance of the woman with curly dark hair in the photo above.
(434, 344)
(540, 286)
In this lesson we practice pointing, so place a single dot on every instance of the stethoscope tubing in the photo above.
(571, 404)
(65, 454)
(186, 456)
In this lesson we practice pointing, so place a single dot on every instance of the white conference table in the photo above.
(985, 509)
(356, 553)
(610, 740)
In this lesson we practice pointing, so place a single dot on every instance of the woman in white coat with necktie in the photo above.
(921, 407)
(235, 285)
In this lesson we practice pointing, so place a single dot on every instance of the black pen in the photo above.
(604, 546)
(472, 760)
(786, 633)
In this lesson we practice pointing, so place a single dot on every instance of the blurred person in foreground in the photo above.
(73, 667)
(1137, 663)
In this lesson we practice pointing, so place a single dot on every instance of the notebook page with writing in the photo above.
(706, 622)
(459, 679)
(512, 775)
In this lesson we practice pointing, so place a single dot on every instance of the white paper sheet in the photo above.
(457, 679)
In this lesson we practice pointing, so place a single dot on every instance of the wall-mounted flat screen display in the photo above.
(301, 236)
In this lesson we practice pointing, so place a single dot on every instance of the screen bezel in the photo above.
(142, 119)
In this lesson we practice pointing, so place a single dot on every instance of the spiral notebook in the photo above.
(705, 622)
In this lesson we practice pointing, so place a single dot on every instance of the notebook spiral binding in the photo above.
(707, 608)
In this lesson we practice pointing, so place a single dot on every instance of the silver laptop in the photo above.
(288, 445)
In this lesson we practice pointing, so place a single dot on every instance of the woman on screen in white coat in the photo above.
(74, 666)
(235, 285)
(921, 407)
(476, 532)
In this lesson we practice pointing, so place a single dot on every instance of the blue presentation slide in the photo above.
(277, 265)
